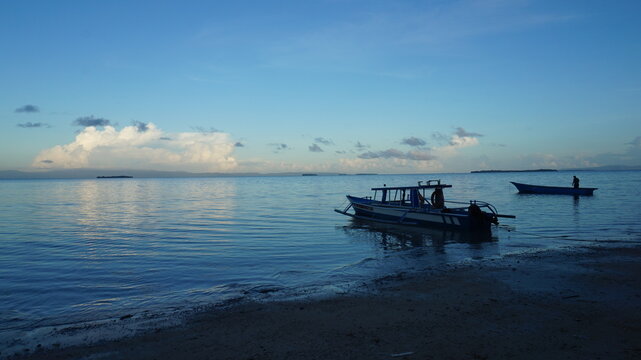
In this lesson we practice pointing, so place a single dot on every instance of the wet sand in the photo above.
(583, 303)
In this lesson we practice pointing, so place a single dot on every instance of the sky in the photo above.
(345, 86)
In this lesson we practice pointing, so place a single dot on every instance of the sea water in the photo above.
(85, 251)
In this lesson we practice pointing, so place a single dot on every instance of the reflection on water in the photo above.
(394, 237)
(576, 210)
(91, 249)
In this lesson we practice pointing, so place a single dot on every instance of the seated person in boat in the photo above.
(421, 199)
(575, 182)
(438, 199)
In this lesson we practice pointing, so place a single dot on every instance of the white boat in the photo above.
(409, 205)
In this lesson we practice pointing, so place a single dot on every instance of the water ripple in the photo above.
(84, 250)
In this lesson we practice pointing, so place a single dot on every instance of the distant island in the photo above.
(309, 174)
(114, 177)
(90, 173)
(508, 171)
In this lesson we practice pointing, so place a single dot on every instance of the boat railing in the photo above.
(486, 205)
(479, 203)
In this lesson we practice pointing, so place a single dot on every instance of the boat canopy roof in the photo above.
(431, 184)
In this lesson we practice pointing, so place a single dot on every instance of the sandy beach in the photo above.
(581, 303)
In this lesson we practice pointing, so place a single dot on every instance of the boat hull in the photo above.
(554, 190)
(453, 219)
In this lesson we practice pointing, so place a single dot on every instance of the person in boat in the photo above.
(421, 199)
(438, 199)
(575, 182)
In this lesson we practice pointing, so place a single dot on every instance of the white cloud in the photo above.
(456, 142)
(381, 165)
(538, 161)
(149, 149)
(424, 160)
(397, 154)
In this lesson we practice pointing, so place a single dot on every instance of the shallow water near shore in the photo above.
(86, 251)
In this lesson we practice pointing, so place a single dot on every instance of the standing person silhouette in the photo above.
(575, 182)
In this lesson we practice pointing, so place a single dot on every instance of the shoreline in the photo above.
(580, 302)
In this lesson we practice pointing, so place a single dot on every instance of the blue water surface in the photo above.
(83, 250)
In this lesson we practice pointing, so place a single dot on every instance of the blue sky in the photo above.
(336, 85)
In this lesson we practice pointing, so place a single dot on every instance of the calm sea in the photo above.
(76, 252)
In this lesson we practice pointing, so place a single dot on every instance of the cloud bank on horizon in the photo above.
(140, 146)
(144, 146)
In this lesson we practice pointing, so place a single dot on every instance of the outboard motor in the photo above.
(478, 216)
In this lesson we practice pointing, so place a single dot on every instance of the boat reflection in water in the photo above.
(401, 237)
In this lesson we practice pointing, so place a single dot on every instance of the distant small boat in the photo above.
(555, 190)
(114, 177)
